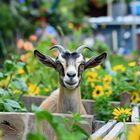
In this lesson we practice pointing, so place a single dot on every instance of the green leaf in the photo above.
(20, 64)
(13, 103)
(21, 85)
(8, 108)
(1, 75)
(8, 65)
(35, 108)
(36, 136)
(3, 92)
(78, 128)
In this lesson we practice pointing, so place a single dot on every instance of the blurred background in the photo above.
(115, 23)
(104, 25)
(111, 26)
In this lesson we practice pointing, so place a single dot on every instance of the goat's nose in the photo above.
(71, 75)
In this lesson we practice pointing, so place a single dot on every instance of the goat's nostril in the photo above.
(71, 75)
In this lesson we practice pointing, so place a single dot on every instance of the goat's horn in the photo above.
(82, 47)
(59, 47)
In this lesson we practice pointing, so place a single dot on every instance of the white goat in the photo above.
(70, 66)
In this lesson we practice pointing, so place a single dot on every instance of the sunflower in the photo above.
(119, 68)
(98, 91)
(91, 76)
(134, 97)
(107, 79)
(20, 71)
(33, 89)
(108, 89)
(134, 133)
(122, 114)
(132, 64)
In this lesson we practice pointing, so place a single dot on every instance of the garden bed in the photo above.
(15, 126)
(88, 104)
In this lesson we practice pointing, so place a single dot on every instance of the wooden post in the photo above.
(135, 114)
(125, 99)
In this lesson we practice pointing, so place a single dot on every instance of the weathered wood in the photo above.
(125, 99)
(113, 134)
(29, 100)
(131, 124)
(37, 100)
(103, 131)
(15, 126)
(135, 114)
(96, 124)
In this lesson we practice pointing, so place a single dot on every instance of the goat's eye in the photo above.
(81, 68)
(59, 65)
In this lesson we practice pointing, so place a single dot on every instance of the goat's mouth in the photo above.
(70, 83)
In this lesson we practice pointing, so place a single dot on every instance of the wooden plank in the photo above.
(131, 124)
(29, 100)
(135, 114)
(113, 134)
(15, 126)
(37, 100)
(96, 124)
(103, 131)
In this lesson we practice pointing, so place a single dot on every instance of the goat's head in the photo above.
(70, 65)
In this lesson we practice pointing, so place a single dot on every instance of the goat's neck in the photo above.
(69, 100)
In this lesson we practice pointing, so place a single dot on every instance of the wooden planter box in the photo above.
(88, 104)
(15, 126)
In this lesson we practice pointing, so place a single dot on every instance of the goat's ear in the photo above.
(48, 61)
(93, 62)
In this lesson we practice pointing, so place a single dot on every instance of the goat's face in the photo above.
(70, 65)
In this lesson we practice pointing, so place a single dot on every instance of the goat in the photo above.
(70, 66)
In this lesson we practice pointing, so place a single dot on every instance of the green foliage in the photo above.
(104, 108)
(98, 48)
(74, 9)
(126, 81)
(10, 82)
(64, 128)
(10, 102)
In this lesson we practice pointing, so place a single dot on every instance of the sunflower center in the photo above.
(98, 92)
(134, 97)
